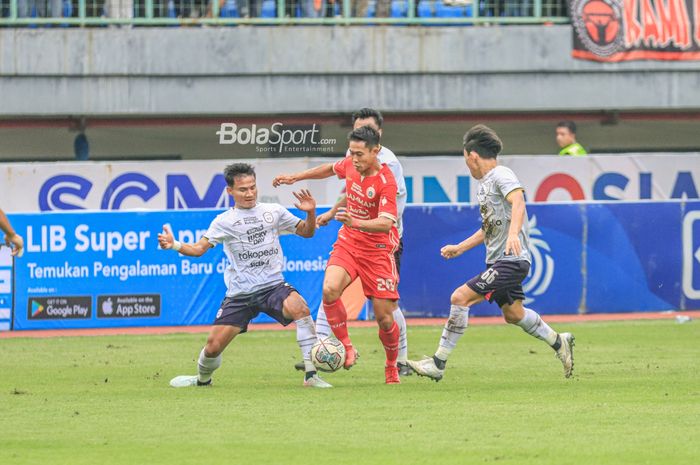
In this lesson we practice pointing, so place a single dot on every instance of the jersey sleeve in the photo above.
(287, 223)
(340, 168)
(507, 182)
(215, 234)
(387, 201)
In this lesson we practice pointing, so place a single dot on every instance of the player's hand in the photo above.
(324, 218)
(451, 251)
(166, 238)
(16, 242)
(344, 217)
(287, 179)
(513, 246)
(306, 201)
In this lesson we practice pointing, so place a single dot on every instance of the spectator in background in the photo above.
(12, 239)
(39, 8)
(566, 138)
(313, 8)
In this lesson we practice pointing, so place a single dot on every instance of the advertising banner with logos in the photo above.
(102, 269)
(624, 30)
(5, 289)
(182, 185)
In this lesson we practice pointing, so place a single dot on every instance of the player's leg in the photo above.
(339, 274)
(295, 308)
(231, 320)
(404, 369)
(323, 329)
(389, 334)
(461, 300)
(531, 322)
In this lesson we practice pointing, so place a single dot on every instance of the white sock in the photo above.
(206, 366)
(323, 329)
(306, 338)
(403, 338)
(454, 328)
(534, 326)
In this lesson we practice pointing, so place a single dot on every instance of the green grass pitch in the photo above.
(634, 399)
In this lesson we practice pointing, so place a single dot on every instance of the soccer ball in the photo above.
(328, 354)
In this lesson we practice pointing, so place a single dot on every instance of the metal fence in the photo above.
(67, 13)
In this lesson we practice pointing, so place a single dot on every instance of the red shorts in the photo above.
(377, 270)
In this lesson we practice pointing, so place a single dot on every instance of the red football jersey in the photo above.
(368, 198)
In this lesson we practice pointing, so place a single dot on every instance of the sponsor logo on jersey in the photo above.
(252, 220)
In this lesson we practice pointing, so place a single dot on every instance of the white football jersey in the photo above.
(251, 243)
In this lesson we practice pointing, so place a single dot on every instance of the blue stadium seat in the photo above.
(451, 11)
(371, 9)
(229, 10)
(66, 11)
(171, 13)
(269, 9)
(399, 8)
(425, 9)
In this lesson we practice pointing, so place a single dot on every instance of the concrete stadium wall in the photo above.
(264, 70)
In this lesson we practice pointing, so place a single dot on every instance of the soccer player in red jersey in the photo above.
(366, 242)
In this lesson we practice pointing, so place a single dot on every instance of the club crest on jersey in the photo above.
(267, 216)
(371, 192)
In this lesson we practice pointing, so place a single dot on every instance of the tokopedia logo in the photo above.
(36, 308)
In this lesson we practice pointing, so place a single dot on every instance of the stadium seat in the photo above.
(269, 9)
(229, 10)
(425, 9)
(399, 8)
(66, 11)
(450, 11)
(371, 9)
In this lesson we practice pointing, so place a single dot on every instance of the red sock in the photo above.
(390, 340)
(337, 319)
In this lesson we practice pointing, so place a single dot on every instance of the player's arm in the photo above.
(452, 250)
(11, 237)
(382, 224)
(167, 241)
(318, 172)
(306, 203)
(324, 218)
(517, 200)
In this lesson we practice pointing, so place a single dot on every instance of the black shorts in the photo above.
(502, 282)
(240, 309)
(397, 257)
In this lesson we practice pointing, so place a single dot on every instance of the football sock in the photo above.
(306, 338)
(323, 329)
(390, 340)
(403, 339)
(206, 366)
(534, 326)
(454, 328)
(337, 319)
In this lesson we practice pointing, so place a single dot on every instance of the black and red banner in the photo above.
(625, 30)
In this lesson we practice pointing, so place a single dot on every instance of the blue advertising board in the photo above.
(101, 269)
(86, 270)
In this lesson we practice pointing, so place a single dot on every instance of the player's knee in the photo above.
(458, 298)
(331, 293)
(510, 318)
(299, 311)
(213, 347)
(385, 322)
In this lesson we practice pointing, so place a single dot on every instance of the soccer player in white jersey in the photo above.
(505, 232)
(250, 234)
(373, 118)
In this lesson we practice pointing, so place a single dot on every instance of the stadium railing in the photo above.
(96, 13)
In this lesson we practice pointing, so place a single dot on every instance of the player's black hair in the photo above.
(231, 172)
(568, 124)
(364, 113)
(484, 141)
(365, 134)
